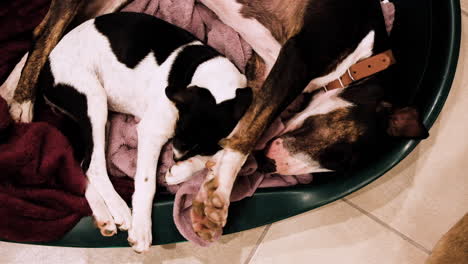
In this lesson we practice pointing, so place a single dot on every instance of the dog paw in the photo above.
(107, 226)
(103, 218)
(101, 215)
(178, 173)
(140, 234)
(209, 210)
(120, 212)
(21, 112)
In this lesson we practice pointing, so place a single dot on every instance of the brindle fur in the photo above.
(255, 71)
(283, 18)
(46, 35)
(325, 130)
(453, 246)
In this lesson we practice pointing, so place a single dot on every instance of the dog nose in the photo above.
(177, 155)
(269, 166)
(265, 164)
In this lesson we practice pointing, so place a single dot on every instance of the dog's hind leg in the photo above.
(184, 170)
(102, 216)
(86, 103)
(97, 171)
(46, 36)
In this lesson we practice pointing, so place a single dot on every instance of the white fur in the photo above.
(322, 103)
(100, 211)
(20, 112)
(228, 163)
(73, 61)
(363, 50)
(301, 164)
(84, 60)
(258, 36)
(229, 77)
(184, 170)
(7, 90)
(177, 154)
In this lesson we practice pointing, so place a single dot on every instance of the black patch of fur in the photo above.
(265, 164)
(202, 122)
(73, 103)
(186, 64)
(133, 35)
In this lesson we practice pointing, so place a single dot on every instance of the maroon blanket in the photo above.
(18, 18)
(42, 186)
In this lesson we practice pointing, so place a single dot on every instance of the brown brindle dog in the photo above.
(301, 46)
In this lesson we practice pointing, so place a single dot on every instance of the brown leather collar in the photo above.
(363, 69)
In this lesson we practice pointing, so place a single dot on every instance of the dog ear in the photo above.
(181, 97)
(405, 122)
(242, 101)
(337, 157)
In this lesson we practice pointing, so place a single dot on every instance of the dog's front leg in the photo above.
(46, 36)
(150, 143)
(184, 170)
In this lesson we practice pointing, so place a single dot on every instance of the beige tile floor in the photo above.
(395, 220)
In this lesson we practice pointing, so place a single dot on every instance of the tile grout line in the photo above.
(392, 229)
(257, 245)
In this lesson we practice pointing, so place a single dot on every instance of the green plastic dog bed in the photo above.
(430, 40)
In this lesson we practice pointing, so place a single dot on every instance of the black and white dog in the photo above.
(178, 87)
